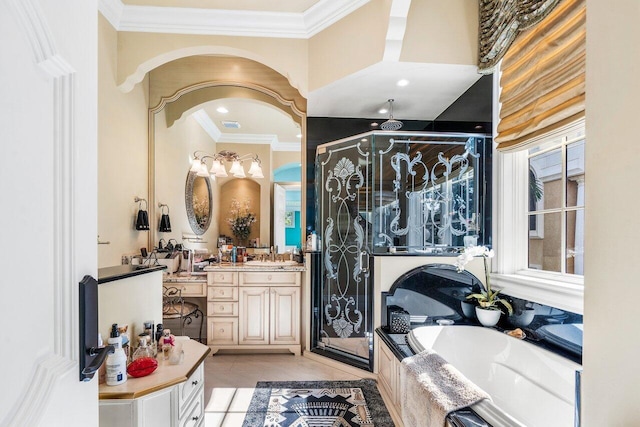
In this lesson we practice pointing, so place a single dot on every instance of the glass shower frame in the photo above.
(384, 193)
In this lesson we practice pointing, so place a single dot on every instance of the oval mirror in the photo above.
(198, 201)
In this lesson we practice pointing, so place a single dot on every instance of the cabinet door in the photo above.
(222, 330)
(285, 315)
(386, 370)
(254, 315)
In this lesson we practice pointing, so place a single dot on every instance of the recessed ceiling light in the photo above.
(222, 110)
(374, 124)
(299, 135)
(383, 111)
(402, 82)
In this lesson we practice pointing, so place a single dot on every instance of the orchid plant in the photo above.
(488, 298)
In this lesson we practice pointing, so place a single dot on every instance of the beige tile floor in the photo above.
(230, 379)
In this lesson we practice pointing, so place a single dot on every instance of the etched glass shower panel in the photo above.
(426, 190)
(345, 212)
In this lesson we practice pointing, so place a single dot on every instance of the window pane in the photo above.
(575, 242)
(545, 242)
(545, 180)
(575, 174)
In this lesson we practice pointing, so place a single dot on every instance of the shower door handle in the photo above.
(364, 267)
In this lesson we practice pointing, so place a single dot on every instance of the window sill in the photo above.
(565, 294)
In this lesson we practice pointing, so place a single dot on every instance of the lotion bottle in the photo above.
(117, 361)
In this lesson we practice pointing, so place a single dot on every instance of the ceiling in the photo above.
(431, 90)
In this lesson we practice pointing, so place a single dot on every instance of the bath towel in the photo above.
(431, 388)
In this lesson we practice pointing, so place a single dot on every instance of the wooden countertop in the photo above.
(165, 376)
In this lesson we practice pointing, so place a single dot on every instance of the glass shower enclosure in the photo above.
(388, 193)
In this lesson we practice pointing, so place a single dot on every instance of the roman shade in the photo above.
(543, 77)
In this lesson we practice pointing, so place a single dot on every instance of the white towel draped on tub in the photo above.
(431, 388)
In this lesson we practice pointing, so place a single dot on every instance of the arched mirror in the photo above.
(198, 201)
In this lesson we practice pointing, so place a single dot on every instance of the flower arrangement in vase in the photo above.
(240, 221)
(489, 302)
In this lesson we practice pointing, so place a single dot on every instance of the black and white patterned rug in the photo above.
(317, 404)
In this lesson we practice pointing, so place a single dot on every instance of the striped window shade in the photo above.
(543, 77)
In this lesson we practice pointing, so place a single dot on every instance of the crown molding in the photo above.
(207, 124)
(287, 146)
(249, 138)
(179, 20)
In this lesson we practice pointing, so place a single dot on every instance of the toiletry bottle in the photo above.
(159, 332)
(117, 361)
(166, 343)
(149, 329)
(143, 350)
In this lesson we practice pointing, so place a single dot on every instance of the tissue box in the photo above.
(399, 322)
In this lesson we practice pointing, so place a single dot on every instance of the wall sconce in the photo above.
(165, 223)
(218, 167)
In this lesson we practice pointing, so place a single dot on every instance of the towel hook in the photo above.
(139, 201)
(162, 206)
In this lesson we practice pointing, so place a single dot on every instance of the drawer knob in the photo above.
(269, 277)
(222, 308)
(221, 330)
(194, 382)
(196, 418)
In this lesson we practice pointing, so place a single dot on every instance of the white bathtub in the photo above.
(528, 384)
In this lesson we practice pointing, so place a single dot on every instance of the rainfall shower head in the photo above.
(391, 124)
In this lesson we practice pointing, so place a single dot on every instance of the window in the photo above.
(556, 204)
(539, 219)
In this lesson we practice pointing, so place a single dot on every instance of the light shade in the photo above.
(236, 168)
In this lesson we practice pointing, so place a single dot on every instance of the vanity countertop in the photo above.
(165, 376)
(110, 274)
(178, 278)
(267, 267)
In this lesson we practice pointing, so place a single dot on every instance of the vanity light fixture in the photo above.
(218, 168)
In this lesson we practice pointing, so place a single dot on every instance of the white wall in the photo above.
(611, 347)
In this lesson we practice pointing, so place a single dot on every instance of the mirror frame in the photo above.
(188, 202)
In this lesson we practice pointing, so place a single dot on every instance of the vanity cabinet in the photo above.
(254, 310)
(172, 396)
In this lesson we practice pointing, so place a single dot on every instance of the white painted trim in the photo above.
(249, 138)
(182, 20)
(62, 360)
(207, 124)
(286, 146)
(563, 295)
(396, 29)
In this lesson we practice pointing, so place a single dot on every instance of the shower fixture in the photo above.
(391, 124)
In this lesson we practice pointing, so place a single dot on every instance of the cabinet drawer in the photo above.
(222, 330)
(221, 308)
(222, 293)
(222, 278)
(191, 289)
(271, 278)
(189, 388)
(194, 413)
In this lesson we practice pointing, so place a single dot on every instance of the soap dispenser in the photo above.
(116, 361)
